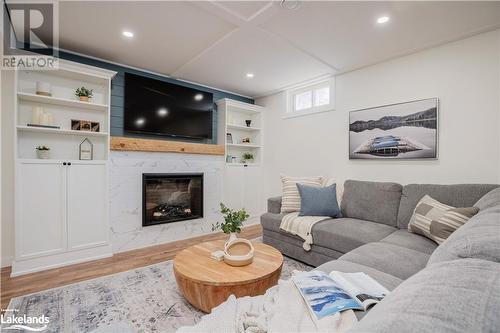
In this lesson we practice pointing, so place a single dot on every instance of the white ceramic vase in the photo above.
(43, 154)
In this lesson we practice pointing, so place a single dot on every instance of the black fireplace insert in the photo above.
(171, 197)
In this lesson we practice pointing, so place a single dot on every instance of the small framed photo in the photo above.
(229, 138)
(85, 125)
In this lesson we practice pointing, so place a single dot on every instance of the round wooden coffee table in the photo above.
(206, 283)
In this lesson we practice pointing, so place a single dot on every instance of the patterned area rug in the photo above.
(141, 300)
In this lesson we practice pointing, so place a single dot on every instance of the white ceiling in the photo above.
(217, 43)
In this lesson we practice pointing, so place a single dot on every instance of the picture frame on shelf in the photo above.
(229, 138)
(85, 125)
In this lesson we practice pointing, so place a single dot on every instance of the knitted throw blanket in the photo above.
(301, 226)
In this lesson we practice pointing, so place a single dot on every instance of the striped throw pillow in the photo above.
(436, 220)
(290, 201)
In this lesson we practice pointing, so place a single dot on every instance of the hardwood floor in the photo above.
(57, 277)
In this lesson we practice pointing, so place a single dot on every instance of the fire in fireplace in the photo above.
(171, 197)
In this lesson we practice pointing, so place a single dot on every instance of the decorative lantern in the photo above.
(86, 150)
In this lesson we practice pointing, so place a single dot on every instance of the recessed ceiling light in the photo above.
(162, 112)
(250, 75)
(198, 97)
(383, 19)
(128, 34)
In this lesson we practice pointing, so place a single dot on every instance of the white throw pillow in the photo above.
(290, 201)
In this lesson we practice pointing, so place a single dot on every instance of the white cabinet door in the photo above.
(243, 189)
(40, 209)
(252, 191)
(87, 206)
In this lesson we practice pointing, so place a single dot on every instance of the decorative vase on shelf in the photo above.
(248, 122)
(43, 88)
(43, 154)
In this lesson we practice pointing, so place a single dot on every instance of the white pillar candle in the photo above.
(45, 119)
(37, 114)
(50, 120)
(43, 88)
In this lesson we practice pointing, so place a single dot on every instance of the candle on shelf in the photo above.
(37, 114)
(45, 120)
(50, 119)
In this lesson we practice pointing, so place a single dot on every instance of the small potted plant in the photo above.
(84, 94)
(43, 152)
(233, 221)
(247, 158)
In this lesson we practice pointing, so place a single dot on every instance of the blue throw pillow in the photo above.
(318, 201)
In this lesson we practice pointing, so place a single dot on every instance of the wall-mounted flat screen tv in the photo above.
(161, 108)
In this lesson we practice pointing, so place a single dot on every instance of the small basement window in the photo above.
(311, 98)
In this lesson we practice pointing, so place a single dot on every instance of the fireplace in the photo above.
(168, 197)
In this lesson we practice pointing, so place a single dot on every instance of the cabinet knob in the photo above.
(69, 163)
(64, 163)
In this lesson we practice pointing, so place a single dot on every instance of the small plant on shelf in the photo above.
(233, 220)
(84, 94)
(247, 157)
(42, 152)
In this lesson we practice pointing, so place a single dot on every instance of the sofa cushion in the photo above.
(341, 235)
(274, 205)
(411, 241)
(346, 234)
(318, 201)
(490, 199)
(479, 238)
(290, 201)
(270, 221)
(454, 296)
(462, 195)
(291, 246)
(389, 258)
(438, 221)
(387, 280)
(372, 201)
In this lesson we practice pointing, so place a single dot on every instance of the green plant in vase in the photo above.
(43, 152)
(233, 221)
(248, 157)
(84, 94)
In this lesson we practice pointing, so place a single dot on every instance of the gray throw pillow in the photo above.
(318, 201)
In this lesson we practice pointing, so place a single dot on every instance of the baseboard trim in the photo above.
(23, 267)
(6, 261)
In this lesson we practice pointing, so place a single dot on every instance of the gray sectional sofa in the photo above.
(453, 287)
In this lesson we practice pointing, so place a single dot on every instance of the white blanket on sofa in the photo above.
(282, 309)
(301, 226)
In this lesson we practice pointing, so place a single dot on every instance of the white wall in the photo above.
(464, 75)
(7, 167)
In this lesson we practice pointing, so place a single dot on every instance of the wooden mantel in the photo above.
(135, 144)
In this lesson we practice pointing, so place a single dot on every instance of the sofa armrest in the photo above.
(274, 205)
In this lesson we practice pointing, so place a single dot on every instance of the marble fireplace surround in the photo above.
(125, 210)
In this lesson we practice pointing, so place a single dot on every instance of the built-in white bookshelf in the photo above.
(63, 106)
(61, 200)
(233, 130)
(243, 182)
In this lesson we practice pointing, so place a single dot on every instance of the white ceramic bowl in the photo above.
(238, 252)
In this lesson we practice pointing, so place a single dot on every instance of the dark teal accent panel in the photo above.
(117, 95)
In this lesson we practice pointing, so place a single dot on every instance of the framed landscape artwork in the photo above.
(397, 131)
